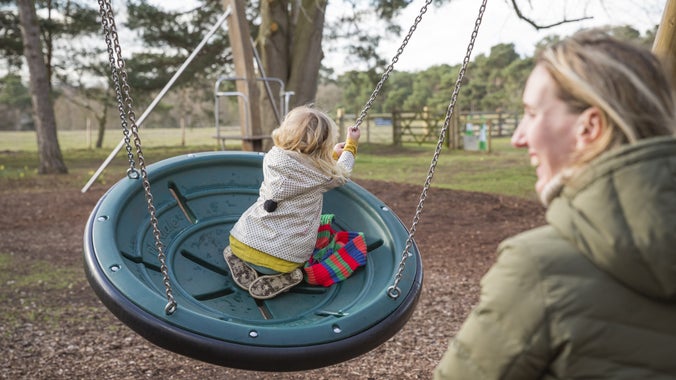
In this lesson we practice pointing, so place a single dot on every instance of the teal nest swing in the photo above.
(198, 198)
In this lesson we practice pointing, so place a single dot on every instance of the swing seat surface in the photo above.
(198, 198)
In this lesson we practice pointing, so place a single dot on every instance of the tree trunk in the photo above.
(291, 42)
(49, 152)
(275, 37)
(274, 40)
(306, 51)
(102, 120)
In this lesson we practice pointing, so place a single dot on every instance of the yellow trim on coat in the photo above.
(350, 146)
(256, 257)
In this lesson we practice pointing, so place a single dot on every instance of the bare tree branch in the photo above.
(538, 26)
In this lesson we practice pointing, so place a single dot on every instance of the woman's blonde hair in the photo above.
(311, 132)
(627, 83)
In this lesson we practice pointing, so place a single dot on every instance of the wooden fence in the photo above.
(424, 127)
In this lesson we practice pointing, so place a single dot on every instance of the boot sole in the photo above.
(242, 274)
(266, 287)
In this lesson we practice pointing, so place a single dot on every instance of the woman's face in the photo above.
(548, 128)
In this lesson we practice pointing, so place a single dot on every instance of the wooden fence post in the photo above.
(182, 125)
(396, 129)
(340, 120)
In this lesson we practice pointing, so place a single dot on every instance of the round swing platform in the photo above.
(198, 198)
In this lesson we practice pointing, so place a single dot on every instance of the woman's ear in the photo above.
(590, 127)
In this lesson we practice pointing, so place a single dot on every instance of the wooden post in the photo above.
(242, 55)
(489, 136)
(396, 128)
(425, 116)
(452, 130)
(340, 116)
(455, 130)
(665, 39)
(182, 123)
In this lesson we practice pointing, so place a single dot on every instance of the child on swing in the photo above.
(276, 236)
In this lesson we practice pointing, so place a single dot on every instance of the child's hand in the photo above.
(338, 149)
(354, 133)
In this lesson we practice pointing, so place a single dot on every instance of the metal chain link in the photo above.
(110, 34)
(125, 106)
(393, 291)
(389, 69)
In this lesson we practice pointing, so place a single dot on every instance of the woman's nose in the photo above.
(519, 136)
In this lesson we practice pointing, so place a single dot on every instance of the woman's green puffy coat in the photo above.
(591, 295)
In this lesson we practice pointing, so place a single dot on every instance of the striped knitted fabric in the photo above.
(336, 256)
(324, 233)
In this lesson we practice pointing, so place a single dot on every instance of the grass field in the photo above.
(504, 170)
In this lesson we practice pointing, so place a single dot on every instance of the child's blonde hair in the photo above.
(311, 132)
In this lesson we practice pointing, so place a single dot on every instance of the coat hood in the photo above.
(620, 212)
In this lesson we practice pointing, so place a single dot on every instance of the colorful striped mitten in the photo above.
(337, 255)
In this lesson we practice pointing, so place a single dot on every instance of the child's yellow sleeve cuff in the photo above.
(351, 146)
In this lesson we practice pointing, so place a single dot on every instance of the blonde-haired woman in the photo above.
(592, 294)
(274, 237)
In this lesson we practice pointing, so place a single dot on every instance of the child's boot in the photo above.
(265, 287)
(241, 272)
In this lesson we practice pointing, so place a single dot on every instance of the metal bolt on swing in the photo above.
(170, 308)
(394, 292)
(132, 173)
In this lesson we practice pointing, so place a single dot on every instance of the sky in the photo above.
(444, 32)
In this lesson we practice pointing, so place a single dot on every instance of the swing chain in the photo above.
(389, 68)
(393, 291)
(125, 107)
(111, 37)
